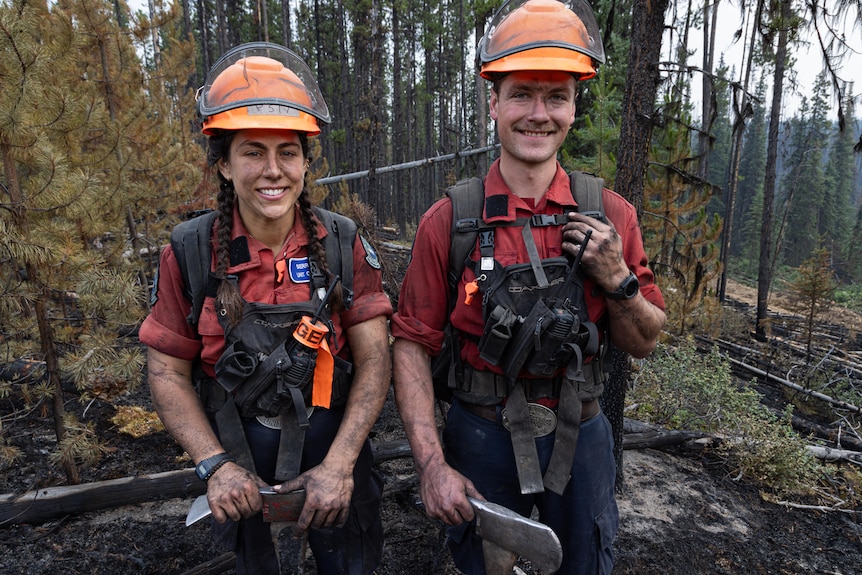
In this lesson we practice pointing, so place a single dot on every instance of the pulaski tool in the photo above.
(504, 532)
(277, 507)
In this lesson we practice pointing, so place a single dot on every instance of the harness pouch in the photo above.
(497, 334)
(527, 340)
(253, 377)
(521, 314)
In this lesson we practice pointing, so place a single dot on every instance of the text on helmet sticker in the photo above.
(271, 110)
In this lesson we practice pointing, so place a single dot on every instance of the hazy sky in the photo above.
(809, 62)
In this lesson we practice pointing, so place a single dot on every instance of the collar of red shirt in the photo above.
(252, 247)
(558, 195)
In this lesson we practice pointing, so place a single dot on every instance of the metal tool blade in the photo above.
(200, 508)
(534, 541)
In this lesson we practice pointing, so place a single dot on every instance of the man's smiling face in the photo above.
(533, 111)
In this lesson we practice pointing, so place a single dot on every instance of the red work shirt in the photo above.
(167, 330)
(423, 303)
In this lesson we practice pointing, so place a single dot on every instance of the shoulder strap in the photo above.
(587, 192)
(338, 243)
(190, 241)
(468, 202)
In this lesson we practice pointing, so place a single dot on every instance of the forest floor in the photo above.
(680, 514)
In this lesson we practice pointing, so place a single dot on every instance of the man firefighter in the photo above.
(545, 288)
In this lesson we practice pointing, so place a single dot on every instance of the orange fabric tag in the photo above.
(313, 335)
(321, 390)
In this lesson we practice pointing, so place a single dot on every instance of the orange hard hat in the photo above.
(261, 85)
(542, 35)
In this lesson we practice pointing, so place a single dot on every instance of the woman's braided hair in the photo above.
(229, 302)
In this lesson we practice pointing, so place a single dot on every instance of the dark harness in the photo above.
(537, 331)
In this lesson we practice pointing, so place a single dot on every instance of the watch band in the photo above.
(205, 469)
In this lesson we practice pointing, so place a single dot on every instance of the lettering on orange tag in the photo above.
(309, 334)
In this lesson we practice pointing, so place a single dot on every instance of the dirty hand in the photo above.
(233, 493)
(327, 500)
(444, 494)
(603, 257)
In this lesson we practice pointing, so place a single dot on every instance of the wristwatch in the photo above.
(627, 290)
(205, 469)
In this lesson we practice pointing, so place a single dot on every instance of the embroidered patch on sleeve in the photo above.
(370, 254)
(154, 293)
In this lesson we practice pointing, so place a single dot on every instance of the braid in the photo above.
(228, 297)
(310, 222)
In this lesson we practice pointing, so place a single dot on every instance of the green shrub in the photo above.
(680, 388)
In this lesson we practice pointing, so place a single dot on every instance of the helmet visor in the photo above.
(521, 25)
(265, 76)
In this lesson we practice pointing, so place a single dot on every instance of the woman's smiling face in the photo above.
(267, 168)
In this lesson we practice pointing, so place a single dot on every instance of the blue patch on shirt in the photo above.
(299, 270)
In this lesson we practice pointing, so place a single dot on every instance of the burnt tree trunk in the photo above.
(642, 80)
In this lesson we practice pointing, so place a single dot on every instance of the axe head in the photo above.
(534, 541)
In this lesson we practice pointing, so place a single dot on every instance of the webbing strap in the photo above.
(523, 442)
(535, 261)
(232, 436)
(290, 442)
(191, 245)
(565, 439)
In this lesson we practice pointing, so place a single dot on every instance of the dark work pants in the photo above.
(355, 549)
(585, 517)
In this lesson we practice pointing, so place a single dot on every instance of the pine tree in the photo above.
(719, 151)
(802, 197)
(600, 132)
(80, 147)
(680, 235)
(840, 176)
(750, 190)
(812, 293)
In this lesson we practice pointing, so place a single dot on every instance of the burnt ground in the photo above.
(680, 514)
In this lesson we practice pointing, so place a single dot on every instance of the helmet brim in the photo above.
(542, 59)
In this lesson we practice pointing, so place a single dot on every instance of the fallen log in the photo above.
(796, 387)
(22, 371)
(831, 454)
(45, 504)
(844, 441)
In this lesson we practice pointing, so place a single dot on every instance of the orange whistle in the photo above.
(470, 289)
(280, 267)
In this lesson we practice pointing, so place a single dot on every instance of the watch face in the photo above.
(631, 286)
(627, 290)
